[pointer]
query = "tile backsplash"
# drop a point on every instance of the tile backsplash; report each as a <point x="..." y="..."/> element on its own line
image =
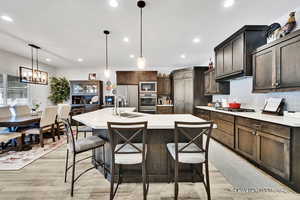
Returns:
<point x="241" y="91"/>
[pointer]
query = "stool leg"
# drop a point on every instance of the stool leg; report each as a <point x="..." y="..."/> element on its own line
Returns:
<point x="176" y="180"/>
<point x="144" y="180"/>
<point x="84" y="134"/>
<point x="42" y="139"/>
<point x="77" y="131"/>
<point x="207" y="181"/>
<point x="73" y="174"/>
<point x="67" y="161"/>
<point x="104" y="168"/>
<point x="112" y="181"/>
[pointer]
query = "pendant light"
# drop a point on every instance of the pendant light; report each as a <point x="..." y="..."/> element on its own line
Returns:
<point x="106" y="71"/>
<point x="31" y="75"/>
<point x="141" y="62"/>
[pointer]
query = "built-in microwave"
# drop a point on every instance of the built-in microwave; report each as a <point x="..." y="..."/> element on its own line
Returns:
<point x="148" y="87"/>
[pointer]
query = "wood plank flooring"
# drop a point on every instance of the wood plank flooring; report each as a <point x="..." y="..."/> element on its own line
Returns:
<point x="44" y="179"/>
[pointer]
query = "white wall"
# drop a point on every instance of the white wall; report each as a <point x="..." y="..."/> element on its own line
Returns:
<point x="9" y="63"/>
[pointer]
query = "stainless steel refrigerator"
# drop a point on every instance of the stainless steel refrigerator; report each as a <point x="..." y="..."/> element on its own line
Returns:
<point x="130" y="93"/>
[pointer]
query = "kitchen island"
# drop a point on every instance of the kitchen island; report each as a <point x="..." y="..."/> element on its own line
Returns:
<point x="160" y="132"/>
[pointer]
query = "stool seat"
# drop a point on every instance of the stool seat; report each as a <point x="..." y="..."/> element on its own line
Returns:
<point x="86" y="144"/>
<point x="134" y="157"/>
<point x="195" y="157"/>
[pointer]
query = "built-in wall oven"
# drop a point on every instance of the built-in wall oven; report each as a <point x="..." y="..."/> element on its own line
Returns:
<point x="148" y="87"/>
<point x="147" y="102"/>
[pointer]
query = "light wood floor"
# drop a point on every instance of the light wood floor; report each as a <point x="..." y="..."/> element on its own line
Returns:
<point x="43" y="179"/>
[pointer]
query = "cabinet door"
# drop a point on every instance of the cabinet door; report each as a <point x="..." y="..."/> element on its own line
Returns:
<point x="207" y="82"/>
<point x="160" y="86"/>
<point x="264" y="70"/>
<point x="188" y="95"/>
<point x="220" y="62"/>
<point x="273" y="154"/>
<point x="213" y="83"/>
<point x="245" y="141"/>
<point x="288" y="63"/>
<point x="228" y="59"/>
<point x="238" y="53"/>
<point x="167" y="86"/>
<point x="179" y="96"/>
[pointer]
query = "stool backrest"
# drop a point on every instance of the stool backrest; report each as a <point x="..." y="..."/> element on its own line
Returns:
<point x="21" y="110"/>
<point x="63" y="111"/>
<point x="127" y="134"/>
<point x="5" y="112"/>
<point x="192" y="132"/>
<point x="70" y="134"/>
<point x="48" y="117"/>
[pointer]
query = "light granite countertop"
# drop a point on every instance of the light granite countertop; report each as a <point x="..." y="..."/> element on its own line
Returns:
<point x="98" y="119"/>
<point x="283" y="120"/>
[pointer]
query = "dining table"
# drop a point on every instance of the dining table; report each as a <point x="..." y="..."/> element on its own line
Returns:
<point x="20" y="121"/>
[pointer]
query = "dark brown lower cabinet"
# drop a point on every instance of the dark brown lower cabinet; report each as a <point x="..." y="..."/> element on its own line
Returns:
<point x="164" y="109"/>
<point x="269" y="151"/>
<point x="224" y="132"/>
<point x="246" y="141"/>
<point x="273" y="153"/>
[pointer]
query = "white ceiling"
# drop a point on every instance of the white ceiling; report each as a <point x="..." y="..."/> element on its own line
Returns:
<point x="72" y="29"/>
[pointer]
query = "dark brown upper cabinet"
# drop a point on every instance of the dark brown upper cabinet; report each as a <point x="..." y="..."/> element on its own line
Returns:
<point x="276" y="66"/>
<point x="213" y="87"/>
<point x="233" y="56"/>
<point x="164" y="85"/>
<point x="134" y="77"/>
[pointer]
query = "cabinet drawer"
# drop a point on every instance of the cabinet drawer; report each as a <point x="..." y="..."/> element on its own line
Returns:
<point x="275" y="129"/>
<point x="223" y="137"/>
<point x="222" y="116"/>
<point x="203" y="114"/>
<point x="225" y="126"/>
<point x="164" y="109"/>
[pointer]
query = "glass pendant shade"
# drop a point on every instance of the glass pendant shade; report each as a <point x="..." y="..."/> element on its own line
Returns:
<point x="107" y="73"/>
<point x="141" y="62"/>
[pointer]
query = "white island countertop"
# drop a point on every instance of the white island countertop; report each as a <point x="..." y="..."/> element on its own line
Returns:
<point x="98" y="119"/>
<point x="283" y="120"/>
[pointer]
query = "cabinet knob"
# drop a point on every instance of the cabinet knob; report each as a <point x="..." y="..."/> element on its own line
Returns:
<point x="254" y="133"/>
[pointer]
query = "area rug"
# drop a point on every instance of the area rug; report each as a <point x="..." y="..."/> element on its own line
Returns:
<point x="13" y="160"/>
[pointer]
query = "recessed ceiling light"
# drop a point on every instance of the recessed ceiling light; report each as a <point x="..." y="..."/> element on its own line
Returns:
<point x="183" y="56"/>
<point x="196" y="40"/>
<point x="228" y="3"/>
<point x="80" y="60"/>
<point x="48" y="59"/>
<point x="131" y="56"/>
<point x="7" y="18"/>
<point x="113" y="3"/>
<point x="125" y="39"/>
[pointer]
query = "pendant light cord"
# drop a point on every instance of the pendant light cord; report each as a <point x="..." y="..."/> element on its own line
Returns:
<point x="37" y="59"/>
<point x="106" y="52"/>
<point x="32" y="59"/>
<point x="141" y="36"/>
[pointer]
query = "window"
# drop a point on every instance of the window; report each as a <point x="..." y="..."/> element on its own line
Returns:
<point x="12" y="91"/>
<point x="1" y="89"/>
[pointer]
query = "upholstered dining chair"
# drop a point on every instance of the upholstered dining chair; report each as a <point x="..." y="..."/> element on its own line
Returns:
<point x="46" y="124"/>
<point x="5" y="112"/>
<point x="63" y="113"/>
<point x="6" y="135"/>
<point x="21" y="110"/>
<point x="191" y="152"/>
<point x="125" y="151"/>
<point x="77" y="147"/>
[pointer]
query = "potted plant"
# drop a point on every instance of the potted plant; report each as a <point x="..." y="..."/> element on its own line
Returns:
<point x="59" y="90"/>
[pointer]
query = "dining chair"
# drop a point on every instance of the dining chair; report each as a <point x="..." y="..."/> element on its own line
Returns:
<point x="46" y="124"/>
<point x="79" y="146"/>
<point x="6" y="135"/>
<point x="128" y="142"/>
<point x="191" y="152"/>
<point x="63" y="113"/>
<point x="5" y="112"/>
<point x="21" y="110"/>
